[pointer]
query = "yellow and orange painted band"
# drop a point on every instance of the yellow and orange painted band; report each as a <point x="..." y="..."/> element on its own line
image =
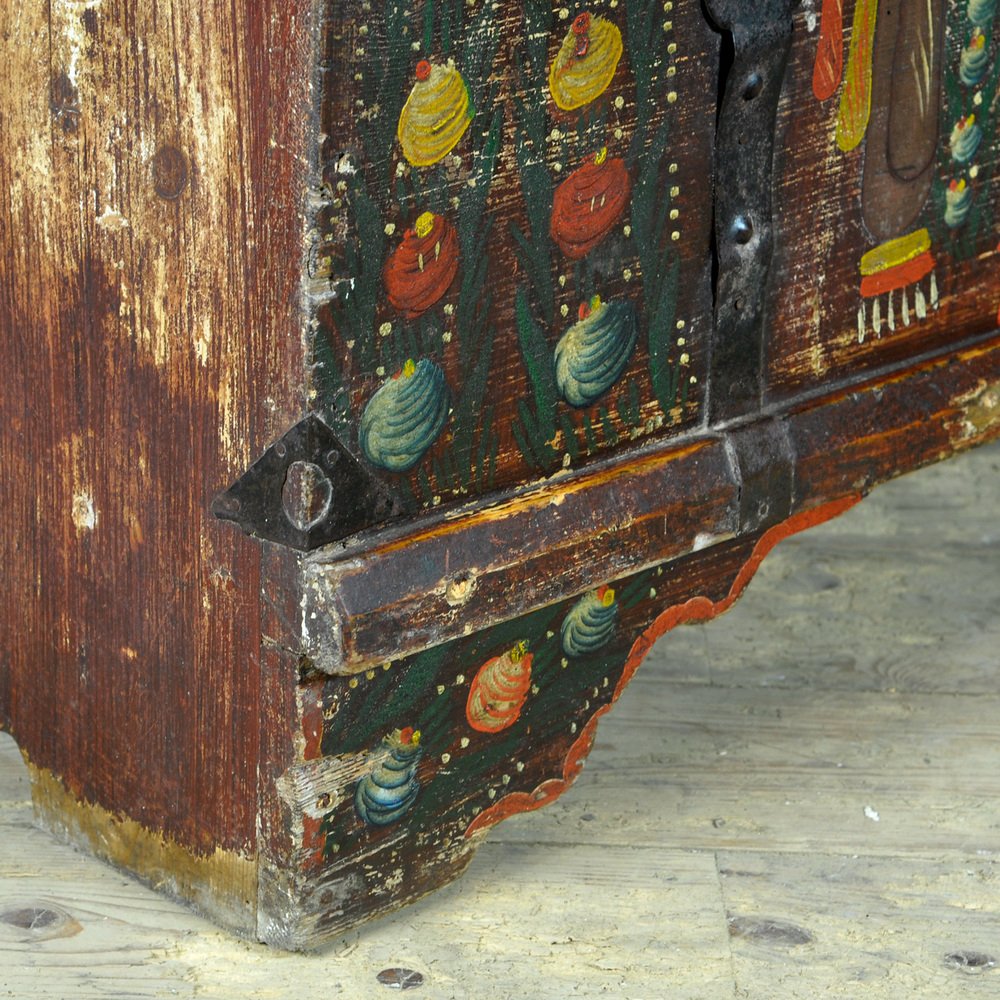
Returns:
<point x="895" y="252"/>
<point x="900" y="276"/>
<point x="697" y="609"/>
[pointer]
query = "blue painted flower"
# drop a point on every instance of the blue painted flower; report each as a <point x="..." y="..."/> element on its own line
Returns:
<point x="973" y="61"/>
<point x="390" y="788"/>
<point x="965" y="139"/>
<point x="981" y="12"/>
<point x="594" y="351"/>
<point x="957" y="202"/>
<point x="590" y="623"/>
<point x="405" y="416"/>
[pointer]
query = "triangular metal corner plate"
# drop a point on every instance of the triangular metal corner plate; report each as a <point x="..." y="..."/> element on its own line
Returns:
<point x="355" y="499"/>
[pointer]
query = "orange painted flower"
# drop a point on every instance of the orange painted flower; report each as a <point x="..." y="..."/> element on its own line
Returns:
<point x="499" y="690"/>
<point x="421" y="269"/>
<point x="586" y="206"/>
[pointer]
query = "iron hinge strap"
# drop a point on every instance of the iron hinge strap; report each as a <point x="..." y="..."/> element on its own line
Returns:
<point x="761" y="33"/>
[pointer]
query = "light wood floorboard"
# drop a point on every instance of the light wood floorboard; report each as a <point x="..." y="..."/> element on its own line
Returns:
<point x="799" y="800"/>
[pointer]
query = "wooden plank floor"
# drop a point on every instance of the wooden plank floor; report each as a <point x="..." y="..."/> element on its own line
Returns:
<point x="801" y="799"/>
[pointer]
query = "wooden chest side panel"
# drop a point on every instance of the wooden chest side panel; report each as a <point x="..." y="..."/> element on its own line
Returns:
<point x="150" y="251"/>
<point x="403" y="765"/>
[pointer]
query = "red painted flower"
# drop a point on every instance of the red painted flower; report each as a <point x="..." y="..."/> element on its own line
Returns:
<point x="421" y="269"/>
<point x="588" y="203"/>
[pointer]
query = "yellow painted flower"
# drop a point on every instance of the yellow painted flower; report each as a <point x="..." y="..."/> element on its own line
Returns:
<point x="436" y="114"/>
<point x="586" y="62"/>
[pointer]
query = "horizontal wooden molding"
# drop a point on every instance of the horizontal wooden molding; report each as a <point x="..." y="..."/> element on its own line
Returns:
<point x="471" y="568"/>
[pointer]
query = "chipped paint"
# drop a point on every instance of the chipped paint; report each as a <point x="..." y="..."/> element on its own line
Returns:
<point x="979" y="413"/>
<point x="112" y="220"/>
<point x="203" y="341"/>
<point x="67" y="17"/>
<point x="83" y="512"/>
<point x="314" y="787"/>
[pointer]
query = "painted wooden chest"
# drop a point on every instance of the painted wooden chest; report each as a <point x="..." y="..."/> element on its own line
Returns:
<point x="511" y="334"/>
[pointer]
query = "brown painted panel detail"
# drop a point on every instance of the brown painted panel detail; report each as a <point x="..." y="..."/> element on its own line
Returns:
<point x="885" y="209"/>
<point x="418" y="588"/>
<point x="405" y="764"/>
<point x="150" y="254"/>
<point x="290" y="729"/>
<point x="902" y="137"/>
<point x="884" y="428"/>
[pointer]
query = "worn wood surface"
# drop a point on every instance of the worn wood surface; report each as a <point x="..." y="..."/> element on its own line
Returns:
<point x="175" y="172"/>
<point x="151" y="163"/>
<point x="114" y="439"/>
<point x="723" y="841"/>
<point x="836" y="199"/>
<point x="449" y="776"/>
<point x="393" y="592"/>
<point x="506" y="286"/>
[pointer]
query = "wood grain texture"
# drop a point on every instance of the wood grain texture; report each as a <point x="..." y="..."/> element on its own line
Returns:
<point x="394" y="592"/>
<point x="406" y="590"/>
<point x="179" y="281"/>
<point x="845" y="442"/>
<point x="874" y="924"/>
<point x="151" y="233"/>
<point x="634" y="883"/>
<point x="493" y="330"/>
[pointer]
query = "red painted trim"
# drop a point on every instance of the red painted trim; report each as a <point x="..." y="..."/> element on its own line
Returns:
<point x="311" y="704"/>
<point x="694" y="610"/>
<point x="907" y="273"/>
<point x="829" y="66"/>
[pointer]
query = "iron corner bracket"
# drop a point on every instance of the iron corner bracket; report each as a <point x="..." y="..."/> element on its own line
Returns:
<point x="306" y="490"/>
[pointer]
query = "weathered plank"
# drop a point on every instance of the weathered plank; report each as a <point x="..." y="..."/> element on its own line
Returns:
<point x="813" y="925"/>
<point x="158" y="159"/>
<point x="626" y="886"/>
<point x="492" y="933"/>
<point x="151" y="165"/>
<point x="793" y="770"/>
<point x="391" y="593"/>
